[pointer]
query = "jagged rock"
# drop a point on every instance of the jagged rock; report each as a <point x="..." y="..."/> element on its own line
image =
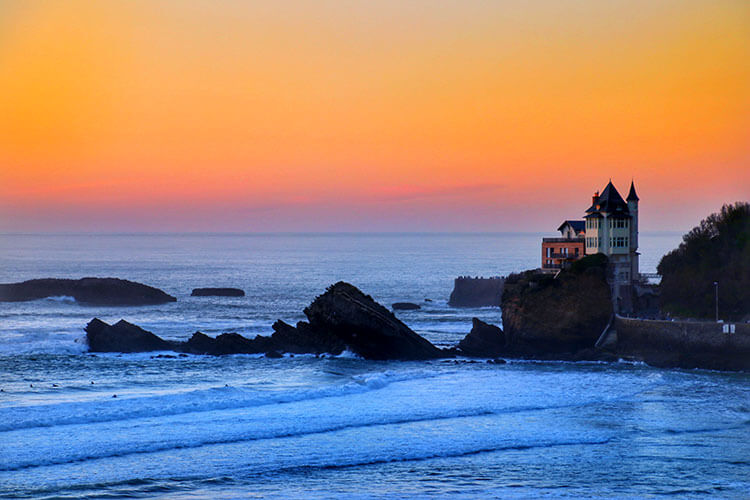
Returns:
<point x="123" y="337"/>
<point x="405" y="306"/>
<point x="483" y="341"/>
<point x="553" y="318"/>
<point x="343" y="317"/>
<point x="366" y="327"/>
<point x="303" y="339"/>
<point x="88" y="291"/>
<point x="217" y="292"/>
<point x="476" y="292"/>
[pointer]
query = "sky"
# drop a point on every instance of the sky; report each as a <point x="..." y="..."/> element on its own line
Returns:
<point x="184" y="115"/>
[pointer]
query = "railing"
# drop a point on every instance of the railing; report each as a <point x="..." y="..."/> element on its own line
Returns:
<point x="565" y="256"/>
<point x="552" y="266"/>
<point x="562" y="240"/>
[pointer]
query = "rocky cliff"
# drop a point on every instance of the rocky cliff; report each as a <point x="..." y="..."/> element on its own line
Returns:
<point x="557" y="317"/>
<point x="476" y="292"/>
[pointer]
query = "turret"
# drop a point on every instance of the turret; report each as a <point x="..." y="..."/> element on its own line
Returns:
<point x="633" y="209"/>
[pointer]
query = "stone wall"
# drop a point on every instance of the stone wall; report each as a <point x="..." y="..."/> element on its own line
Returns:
<point x="686" y="344"/>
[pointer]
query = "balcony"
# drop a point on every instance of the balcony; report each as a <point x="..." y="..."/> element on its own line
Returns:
<point x="562" y="240"/>
<point x="564" y="256"/>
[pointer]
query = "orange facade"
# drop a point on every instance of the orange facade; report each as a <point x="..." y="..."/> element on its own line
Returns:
<point x="557" y="253"/>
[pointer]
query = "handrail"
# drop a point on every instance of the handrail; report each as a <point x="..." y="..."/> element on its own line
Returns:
<point x="604" y="334"/>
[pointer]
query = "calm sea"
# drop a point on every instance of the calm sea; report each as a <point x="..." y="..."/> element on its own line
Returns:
<point x="335" y="427"/>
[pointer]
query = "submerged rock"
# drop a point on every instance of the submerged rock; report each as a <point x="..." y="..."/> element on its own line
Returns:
<point x="405" y="306"/>
<point x="217" y="292"/>
<point x="483" y="341"/>
<point x="88" y="291"/>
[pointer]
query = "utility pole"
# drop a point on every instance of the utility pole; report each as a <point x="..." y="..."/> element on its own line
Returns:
<point x="716" y="293"/>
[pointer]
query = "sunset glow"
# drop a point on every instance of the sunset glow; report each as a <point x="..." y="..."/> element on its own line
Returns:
<point x="362" y="116"/>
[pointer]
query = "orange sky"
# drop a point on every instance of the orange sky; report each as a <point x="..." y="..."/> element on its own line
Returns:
<point x="390" y="115"/>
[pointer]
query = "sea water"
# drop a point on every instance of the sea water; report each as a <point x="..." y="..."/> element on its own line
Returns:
<point x="335" y="427"/>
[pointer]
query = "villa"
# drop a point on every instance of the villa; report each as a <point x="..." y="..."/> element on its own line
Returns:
<point x="609" y="226"/>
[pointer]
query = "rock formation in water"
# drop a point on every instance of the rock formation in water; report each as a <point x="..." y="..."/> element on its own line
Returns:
<point x="124" y="337"/>
<point x="342" y="318"/>
<point x="367" y="328"/>
<point x="217" y="292"/>
<point x="476" y="292"/>
<point x="559" y="316"/>
<point x="88" y="291"/>
<point x="483" y="341"/>
<point x="405" y="306"/>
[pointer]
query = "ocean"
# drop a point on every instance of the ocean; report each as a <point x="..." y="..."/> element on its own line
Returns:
<point x="335" y="427"/>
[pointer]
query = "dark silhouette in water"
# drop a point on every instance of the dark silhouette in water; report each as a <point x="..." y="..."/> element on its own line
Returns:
<point x="87" y="291"/>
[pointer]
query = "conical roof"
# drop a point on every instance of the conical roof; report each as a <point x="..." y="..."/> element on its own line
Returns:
<point x="610" y="201"/>
<point x="631" y="195"/>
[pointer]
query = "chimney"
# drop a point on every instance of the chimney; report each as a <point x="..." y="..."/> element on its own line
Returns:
<point x="595" y="198"/>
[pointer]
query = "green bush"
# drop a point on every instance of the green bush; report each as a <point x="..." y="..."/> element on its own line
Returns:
<point x="717" y="250"/>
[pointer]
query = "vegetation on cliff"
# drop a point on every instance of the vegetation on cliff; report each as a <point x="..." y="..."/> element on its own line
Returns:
<point x="717" y="250"/>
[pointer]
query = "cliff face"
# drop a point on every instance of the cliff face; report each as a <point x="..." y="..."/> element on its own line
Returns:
<point x="546" y="316"/>
<point x="476" y="292"/>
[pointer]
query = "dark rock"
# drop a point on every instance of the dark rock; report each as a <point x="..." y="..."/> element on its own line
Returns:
<point x="366" y="327"/>
<point x="548" y="317"/>
<point x="343" y="317"/>
<point x="274" y="354"/>
<point x="496" y="361"/>
<point x="405" y="306"/>
<point x="217" y="292"/>
<point x="226" y="343"/>
<point x="303" y="339"/>
<point x="483" y="341"/>
<point x="476" y="292"/>
<point x="88" y="291"/>
<point x="123" y="337"/>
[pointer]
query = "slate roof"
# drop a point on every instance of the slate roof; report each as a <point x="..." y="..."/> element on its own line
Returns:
<point x="631" y="195"/>
<point x="611" y="202"/>
<point x="577" y="225"/>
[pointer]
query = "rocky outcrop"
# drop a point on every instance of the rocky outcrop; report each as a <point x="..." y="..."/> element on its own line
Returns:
<point x="405" y="306"/>
<point x="364" y="326"/>
<point x="217" y="292"/>
<point x="342" y="318"/>
<point x="476" y="292"/>
<point x="87" y="291"/>
<point x="483" y="341"/>
<point x="124" y="337"/>
<point x="558" y="317"/>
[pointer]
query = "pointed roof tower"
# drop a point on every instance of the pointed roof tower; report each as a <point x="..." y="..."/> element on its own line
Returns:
<point x="609" y="201"/>
<point x="631" y="195"/>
